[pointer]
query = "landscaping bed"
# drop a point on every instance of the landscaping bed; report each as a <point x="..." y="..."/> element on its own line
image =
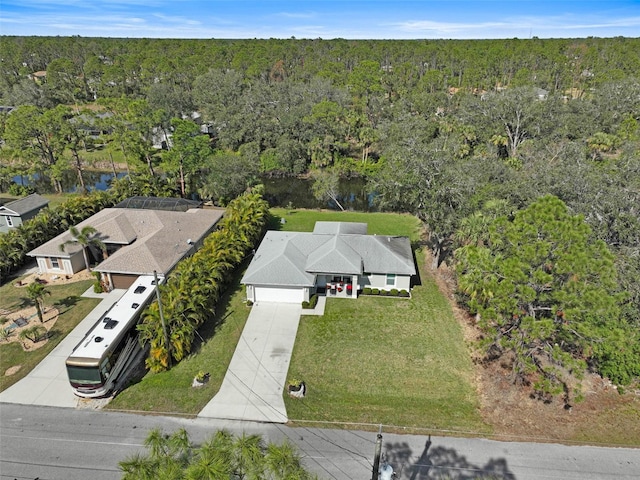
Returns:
<point x="64" y="309"/>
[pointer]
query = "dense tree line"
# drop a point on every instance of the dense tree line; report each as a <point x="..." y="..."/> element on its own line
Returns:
<point x="190" y="295"/>
<point x="467" y="135"/>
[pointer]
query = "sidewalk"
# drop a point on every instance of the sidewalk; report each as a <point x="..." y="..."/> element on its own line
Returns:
<point x="253" y="385"/>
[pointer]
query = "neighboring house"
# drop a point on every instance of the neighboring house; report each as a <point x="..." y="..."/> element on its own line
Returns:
<point x="337" y="258"/>
<point x="13" y="214"/>
<point x="139" y="242"/>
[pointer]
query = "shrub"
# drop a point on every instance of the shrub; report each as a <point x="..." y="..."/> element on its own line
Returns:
<point x="403" y="293"/>
<point x="249" y="303"/>
<point x="4" y="333"/>
<point x="97" y="287"/>
<point x="384" y="293"/>
<point x="393" y="292"/>
<point x="375" y="291"/>
<point x="305" y="304"/>
<point x="18" y="190"/>
<point x="35" y="333"/>
<point x="366" y="291"/>
<point x="313" y="301"/>
<point x="3" y="320"/>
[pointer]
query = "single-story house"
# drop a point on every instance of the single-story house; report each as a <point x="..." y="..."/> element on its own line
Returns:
<point x="337" y="258"/>
<point x="139" y="241"/>
<point x="14" y="214"/>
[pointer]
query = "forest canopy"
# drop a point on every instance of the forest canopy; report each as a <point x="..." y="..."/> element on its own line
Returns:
<point x="468" y="135"/>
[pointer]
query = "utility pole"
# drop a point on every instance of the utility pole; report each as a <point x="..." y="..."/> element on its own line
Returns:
<point x="376" y="457"/>
<point x="164" y="325"/>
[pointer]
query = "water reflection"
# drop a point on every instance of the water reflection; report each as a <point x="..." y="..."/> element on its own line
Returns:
<point x="353" y="194"/>
<point x="279" y="192"/>
<point x="92" y="179"/>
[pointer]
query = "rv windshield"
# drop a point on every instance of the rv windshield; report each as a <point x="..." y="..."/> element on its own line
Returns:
<point x="84" y="375"/>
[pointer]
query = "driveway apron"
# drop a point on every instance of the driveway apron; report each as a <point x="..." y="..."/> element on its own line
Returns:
<point x="253" y="385"/>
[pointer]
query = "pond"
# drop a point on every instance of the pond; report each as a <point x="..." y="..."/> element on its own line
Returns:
<point x="353" y="194"/>
<point x="94" y="180"/>
<point x="279" y="192"/>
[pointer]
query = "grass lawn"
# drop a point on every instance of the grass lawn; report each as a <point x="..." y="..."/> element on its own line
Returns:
<point x="383" y="360"/>
<point x="378" y="223"/>
<point x="400" y="362"/>
<point x="73" y="308"/>
<point x="171" y="391"/>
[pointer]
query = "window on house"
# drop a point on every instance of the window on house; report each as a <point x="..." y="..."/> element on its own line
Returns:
<point x="55" y="263"/>
<point x="391" y="279"/>
<point x="9" y="221"/>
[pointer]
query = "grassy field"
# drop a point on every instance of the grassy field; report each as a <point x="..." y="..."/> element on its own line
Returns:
<point x="378" y="223"/>
<point x="73" y="309"/>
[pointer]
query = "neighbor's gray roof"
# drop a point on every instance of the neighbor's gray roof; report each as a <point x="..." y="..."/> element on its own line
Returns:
<point x="152" y="239"/>
<point x="159" y="203"/>
<point x="293" y="258"/>
<point x="24" y="205"/>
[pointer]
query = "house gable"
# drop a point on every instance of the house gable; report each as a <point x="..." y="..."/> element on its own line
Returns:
<point x="335" y="255"/>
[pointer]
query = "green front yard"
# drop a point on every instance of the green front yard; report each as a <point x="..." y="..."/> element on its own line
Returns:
<point x="386" y="360"/>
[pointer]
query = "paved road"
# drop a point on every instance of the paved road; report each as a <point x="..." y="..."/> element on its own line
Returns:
<point x="65" y="444"/>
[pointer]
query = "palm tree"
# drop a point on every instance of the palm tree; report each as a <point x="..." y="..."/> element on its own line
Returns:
<point x="222" y="456"/>
<point x="36" y="293"/>
<point x="85" y="238"/>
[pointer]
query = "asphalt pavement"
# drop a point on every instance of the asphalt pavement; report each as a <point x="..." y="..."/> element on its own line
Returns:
<point x="69" y="444"/>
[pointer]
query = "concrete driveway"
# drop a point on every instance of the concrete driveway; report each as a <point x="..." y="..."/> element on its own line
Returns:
<point x="253" y="385"/>
<point x="47" y="384"/>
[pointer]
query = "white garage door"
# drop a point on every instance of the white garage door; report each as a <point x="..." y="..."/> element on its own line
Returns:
<point x="275" y="294"/>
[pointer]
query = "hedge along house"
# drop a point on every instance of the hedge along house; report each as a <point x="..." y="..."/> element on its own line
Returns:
<point x="139" y="241"/>
<point x="337" y="259"/>
<point x="14" y="214"/>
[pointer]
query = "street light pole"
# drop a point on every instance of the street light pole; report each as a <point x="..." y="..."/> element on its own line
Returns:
<point x="164" y="325"/>
<point x="376" y="457"/>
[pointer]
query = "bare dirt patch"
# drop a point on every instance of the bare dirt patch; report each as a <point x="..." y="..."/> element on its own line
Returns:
<point x="54" y="279"/>
<point x="12" y="370"/>
<point x="27" y="318"/>
<point x="516" y="414"/>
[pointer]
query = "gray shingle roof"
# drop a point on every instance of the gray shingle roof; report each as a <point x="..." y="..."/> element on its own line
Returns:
<point x="293" y="258"/>
<point x="335" y="255"/>
<point x="24" y="205"/>
<point x="159" y="203"/>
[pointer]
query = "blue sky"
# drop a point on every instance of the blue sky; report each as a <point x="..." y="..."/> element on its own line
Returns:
<point x="376" y="19"/>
